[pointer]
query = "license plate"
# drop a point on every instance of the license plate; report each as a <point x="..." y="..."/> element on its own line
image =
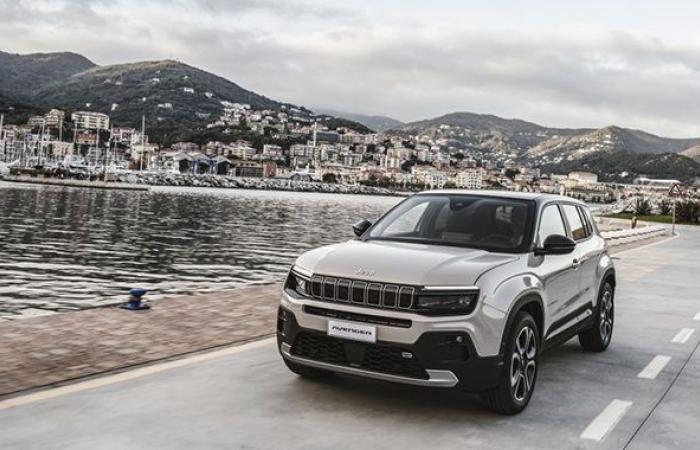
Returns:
<point x="354" y="331"/>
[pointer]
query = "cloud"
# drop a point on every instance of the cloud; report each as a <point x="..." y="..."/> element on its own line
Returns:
<point x="402" y="62"/>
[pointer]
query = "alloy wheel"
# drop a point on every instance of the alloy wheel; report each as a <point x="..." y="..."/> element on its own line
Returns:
<point x="606" y="316"/>
<point x="523" y="365"/>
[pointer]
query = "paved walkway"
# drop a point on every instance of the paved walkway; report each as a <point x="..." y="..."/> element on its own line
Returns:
<point x="45" y="350"/>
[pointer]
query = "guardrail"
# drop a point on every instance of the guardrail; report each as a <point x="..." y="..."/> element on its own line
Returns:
<point x="621" y="237"/>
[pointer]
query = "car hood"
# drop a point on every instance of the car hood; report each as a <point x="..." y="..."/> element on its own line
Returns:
<point x="402" y="263"/>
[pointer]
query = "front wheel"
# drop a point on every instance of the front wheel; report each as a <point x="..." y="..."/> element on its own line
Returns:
<point x="517" y="381"/>
<point x="598" y="337"/>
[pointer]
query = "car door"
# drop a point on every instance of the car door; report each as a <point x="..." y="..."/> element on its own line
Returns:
<point x="558" y="273"/>
<point x="589" y="252"/>
<point x="583" y="255"/>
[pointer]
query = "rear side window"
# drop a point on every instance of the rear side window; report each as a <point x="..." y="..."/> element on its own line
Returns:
<point x="551" y="223"/>
<point x="587" y="218"/>
<point x="578" y="228"/>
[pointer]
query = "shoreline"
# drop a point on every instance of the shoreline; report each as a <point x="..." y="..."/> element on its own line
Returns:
<point x="145" y="181"/>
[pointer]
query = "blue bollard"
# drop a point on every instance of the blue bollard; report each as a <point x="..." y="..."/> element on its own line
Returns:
<point x="134" y="303"/>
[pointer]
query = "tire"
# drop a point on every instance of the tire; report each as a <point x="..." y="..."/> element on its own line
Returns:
<point x="306" y="371"/>
<point x="517" y="382"/>
<point x="598" y="337"/>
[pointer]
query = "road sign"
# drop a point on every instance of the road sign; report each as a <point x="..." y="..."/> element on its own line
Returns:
<point x="675" y="190"/>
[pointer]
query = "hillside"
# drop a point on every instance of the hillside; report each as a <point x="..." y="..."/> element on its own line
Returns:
<point x="692" y="152"/>
<point x="612" y="166"/>
<point x="609" y="139"/>
<point x="607" y="151"/>
<point x="178" y="100"/>
<point x="374" y="122"/>
<point x="14" y="109"/>
<point x="484" y="132"/>
<point x="22" y="75"/>
<point x="156" y="89"/>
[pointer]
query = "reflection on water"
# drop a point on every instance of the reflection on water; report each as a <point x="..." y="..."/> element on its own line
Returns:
<point x="64" y="248"/>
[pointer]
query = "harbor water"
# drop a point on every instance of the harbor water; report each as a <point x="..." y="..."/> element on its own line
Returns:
<point x="71" y="248"/>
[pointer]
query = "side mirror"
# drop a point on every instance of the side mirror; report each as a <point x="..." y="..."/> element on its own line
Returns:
<point x="556" y="244"/>
<point x="360" y="227"/>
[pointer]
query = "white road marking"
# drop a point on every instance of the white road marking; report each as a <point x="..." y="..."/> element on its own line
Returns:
<point x="606" y="420"/>
<point x="697" y="316"/>
<point x="683" y="336"/>
<point x="654" y="368"/>
<point x="130" y="375"/>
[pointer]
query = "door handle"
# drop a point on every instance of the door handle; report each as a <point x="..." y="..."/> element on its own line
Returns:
<point x="575" y="263"/>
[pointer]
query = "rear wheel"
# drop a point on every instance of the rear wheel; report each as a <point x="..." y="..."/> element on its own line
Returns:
<point x="598" y="337"/>
<point x="306" y="371"/>
<point x="517" y="381"/>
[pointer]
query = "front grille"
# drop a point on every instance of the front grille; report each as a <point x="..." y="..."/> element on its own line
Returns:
<point x="377" y="295"/>
<point x="372" y="357"/>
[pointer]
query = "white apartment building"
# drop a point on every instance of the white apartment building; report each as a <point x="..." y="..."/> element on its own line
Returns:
<point x="54" y="117"/>
<point x="90" y="120"/>
<point x="469" y="179"/>
<point x="272" y="151"/>
<point x="122" y="135"/>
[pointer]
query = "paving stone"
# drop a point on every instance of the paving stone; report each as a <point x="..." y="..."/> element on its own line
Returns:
<point x="54" y="348"/>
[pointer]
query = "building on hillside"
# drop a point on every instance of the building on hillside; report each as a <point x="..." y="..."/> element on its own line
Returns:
<point x="583" y="177"/>
<point x="271" y="151"/>
<point x="469" y="179"/>
<point x="35" y="121"/>
<point x="122" y="135"/>
<point x="90" y="120"/>
<point x="83" y="137"/>
<point x="185" y="147"/>
<point x="54" y="117"/>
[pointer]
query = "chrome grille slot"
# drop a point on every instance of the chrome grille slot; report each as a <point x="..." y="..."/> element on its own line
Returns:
<point x="391" y="293"/>
<point x="374" y="294"/>
<point x="343" y="291"/>
<point x="317" y="286"/>
<point x="406" y="297"/>
<point x="359" y="292"/>
<point x="329" y="288"/>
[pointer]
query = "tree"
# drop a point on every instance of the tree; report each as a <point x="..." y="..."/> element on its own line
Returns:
<point x="642" y="207"/>
<point x="688" y="211"/>
<point x="511" y="173"/>
<point x="665" y="207"/>
<point x="330" y="178"/>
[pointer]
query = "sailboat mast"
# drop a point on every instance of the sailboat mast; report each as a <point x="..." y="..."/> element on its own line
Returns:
<point x="143" y="139"/>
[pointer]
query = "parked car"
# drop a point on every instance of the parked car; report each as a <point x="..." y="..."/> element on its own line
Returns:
<point x="452" y="289"/>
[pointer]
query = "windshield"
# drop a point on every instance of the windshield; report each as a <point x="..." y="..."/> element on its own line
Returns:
<point x="489" y="223"/>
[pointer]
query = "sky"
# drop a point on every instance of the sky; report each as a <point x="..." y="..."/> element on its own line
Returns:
<point x="557" y="63"/>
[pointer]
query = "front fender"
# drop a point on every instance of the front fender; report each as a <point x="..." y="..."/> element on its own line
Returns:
<point x="503" y="298"/>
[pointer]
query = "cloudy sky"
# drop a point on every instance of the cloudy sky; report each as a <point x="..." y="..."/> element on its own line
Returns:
<point x="631" y="63"/>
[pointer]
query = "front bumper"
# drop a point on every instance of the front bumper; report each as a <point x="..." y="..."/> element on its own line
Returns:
<point x="436" y="358"/>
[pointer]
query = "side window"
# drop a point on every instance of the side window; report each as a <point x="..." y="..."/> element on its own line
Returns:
<point x="408" y="222"/>
<point x="551" y="223"/>
<point x="587" y="218"/>
<point x="578" y="228"/>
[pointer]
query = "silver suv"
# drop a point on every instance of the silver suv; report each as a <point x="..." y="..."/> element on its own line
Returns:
<point x="452" y="288"/>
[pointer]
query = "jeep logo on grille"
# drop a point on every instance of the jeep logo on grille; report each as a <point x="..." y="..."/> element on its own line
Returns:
<point x="365" y="272"/>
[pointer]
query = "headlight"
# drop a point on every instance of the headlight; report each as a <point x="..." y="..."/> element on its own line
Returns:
<point x="298" y="282"/>
<point x="302" y="285"/>
<point x="452" y="303"/>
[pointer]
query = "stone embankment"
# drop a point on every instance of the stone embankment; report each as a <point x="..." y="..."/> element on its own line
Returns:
<point x="219" y="181"/>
